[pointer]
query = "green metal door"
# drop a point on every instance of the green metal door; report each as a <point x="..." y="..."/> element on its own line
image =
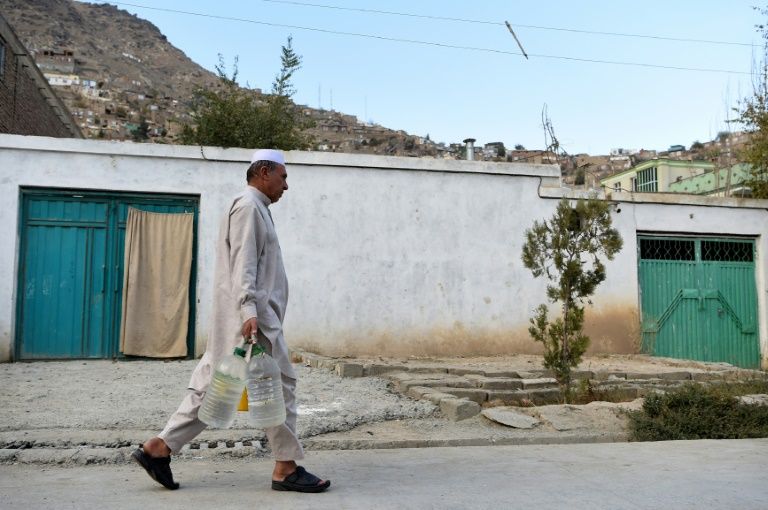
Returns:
<point x="63" y="278"/>
<point x="71" y="271"/>
<point x="698" y="299"/>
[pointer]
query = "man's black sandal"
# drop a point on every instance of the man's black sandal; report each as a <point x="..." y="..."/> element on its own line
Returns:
<point x="159" y="468"/>
<point x="301" y="481"/>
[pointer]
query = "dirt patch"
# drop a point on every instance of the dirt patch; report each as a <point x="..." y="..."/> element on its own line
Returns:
<point x="454" y="341"/>
<point x="613" y="329"/>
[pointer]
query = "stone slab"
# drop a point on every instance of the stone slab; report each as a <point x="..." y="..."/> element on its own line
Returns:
<point x="675" y="376"/>
<point x="473" y="394"/>
<point x="542" y="382"/>
<point x="419" y="392"/>
<point x="375" y="369"/>
<point x="428" y="370"/>
<point x="344" y="369"/>
<point x="465" y="371"/>
<point x="545" y="396"/>
<point x="457" y="409"/>
<point x="503" y="373"/>
<point x="511" y="418"/>
<point x="609" y="375"/>
<point x="493" y="383"/>
<point x="437" y="397"/>
<point x="509" y="397"/>
<point x="759" y="399"/>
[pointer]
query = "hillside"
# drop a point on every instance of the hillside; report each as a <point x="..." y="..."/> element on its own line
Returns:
<point x="122" y="79"/>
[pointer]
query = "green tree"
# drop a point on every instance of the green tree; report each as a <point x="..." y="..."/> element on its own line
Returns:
<point x="231" y="116"/>
<point x="580" y="177"/>
<point x="567" y="250"/>
<point x="141" y="133"/>
<point x="519" y="147"/>
<point x="753" y="116"/>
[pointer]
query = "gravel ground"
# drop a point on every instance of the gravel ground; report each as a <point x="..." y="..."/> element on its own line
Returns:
<point x="141" y="395"/>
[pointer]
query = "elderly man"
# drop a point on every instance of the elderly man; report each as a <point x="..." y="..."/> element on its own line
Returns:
<point x="250" y="296"/>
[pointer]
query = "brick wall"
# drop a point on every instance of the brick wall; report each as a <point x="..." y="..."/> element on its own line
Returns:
<point x="24" y="110"/>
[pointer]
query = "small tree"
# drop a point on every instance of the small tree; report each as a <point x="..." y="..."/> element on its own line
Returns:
<point x="567" y="250"/>
<point x="519" y="147"/>
<point x="141" y="133"/>
<point x="753" y="116"/>
<point x="231" y="116"/>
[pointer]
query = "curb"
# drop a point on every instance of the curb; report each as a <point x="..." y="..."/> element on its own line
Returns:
<point x="86" y="456"/>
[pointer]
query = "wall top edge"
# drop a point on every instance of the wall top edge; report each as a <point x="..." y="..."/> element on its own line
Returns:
<point x="238" y="155"/>
<point x="659" y="198"/>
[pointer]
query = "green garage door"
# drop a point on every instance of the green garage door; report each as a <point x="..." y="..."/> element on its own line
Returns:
<point x="71" y="270"/>
<point x="698" y="299"/>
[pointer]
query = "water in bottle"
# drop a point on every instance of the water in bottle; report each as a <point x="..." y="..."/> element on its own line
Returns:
<point x="266" y="407"/>
<point x="220" y="401"/>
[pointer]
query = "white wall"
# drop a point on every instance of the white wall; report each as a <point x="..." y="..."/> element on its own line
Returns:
<point x="384" y="255"/>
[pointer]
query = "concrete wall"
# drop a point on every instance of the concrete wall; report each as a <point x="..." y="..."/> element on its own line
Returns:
<point x="384" y="255"/>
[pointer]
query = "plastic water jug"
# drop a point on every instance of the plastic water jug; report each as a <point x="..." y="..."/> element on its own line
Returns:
<point x="266" y="407"/>
<point x="220" y="401"/>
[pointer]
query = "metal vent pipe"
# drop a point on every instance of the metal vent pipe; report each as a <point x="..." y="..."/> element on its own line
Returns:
<point x="470" y="149"/>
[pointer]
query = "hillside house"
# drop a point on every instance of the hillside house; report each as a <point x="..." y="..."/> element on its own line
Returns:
<point x="655" y="175"/>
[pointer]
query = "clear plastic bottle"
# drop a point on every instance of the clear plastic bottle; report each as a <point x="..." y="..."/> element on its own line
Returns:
<point x="266" y="407"/>
<point x="220" y="401"/>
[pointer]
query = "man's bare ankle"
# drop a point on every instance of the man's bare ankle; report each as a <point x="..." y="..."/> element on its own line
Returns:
<point x="156" y="447"/>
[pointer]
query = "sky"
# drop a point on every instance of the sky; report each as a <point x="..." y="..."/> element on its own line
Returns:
<point x="451" y="92"/>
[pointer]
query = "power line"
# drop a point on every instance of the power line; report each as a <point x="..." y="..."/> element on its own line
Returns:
<point x="488" y="22"/>
<point x="432" y="43"/>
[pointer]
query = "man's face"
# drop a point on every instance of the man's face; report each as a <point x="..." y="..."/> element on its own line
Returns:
<point x="275" y="183"/>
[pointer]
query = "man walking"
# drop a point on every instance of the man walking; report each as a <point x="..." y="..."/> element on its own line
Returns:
<point x="250" y="297"/>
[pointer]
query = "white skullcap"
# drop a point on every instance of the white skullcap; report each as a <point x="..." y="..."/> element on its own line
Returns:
<point x="268" y="155"/>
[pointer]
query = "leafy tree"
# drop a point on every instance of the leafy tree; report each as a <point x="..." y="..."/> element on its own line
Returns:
<point x="141" y="133"/>
<point x="567" y="249"/>
<point x="580" y="177"/>
<point x="753" y="116"/>
<point x="519" y="147"/>
<point x="231" y="116"/>
<point x="697" y="145"/>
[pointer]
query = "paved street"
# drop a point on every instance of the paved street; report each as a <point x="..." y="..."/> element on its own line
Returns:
<point x="686" y="474"/>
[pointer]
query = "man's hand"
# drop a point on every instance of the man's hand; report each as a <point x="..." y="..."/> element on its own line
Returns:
<point x="250" y="327"/>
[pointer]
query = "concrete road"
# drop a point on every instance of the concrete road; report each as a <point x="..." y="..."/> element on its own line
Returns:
<point x="685" y="474"/>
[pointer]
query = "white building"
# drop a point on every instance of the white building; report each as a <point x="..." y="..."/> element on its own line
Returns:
<point x="385" y="255"/>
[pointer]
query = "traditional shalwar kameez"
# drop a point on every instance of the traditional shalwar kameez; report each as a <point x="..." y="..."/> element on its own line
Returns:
<point x="249" y="281"/>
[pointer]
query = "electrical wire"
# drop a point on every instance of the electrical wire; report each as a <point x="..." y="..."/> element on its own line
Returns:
<point x="433" y="43"/>
<point x="488" y="22"/>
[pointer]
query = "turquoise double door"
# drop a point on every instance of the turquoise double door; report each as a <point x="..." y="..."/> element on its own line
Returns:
<point x="69" y="293"/>
<point x="699" y="299"/>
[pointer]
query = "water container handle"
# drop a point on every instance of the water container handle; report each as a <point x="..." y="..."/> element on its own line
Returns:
<point x="256" y="349"/>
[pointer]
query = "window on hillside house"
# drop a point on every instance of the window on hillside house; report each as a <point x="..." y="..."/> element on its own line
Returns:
<point x="617" y="187"/>
<point x="633" y="182"/>
<point x="647" y="180"/>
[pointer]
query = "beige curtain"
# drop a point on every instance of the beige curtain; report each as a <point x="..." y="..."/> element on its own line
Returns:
<point x="158" y="261"/>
